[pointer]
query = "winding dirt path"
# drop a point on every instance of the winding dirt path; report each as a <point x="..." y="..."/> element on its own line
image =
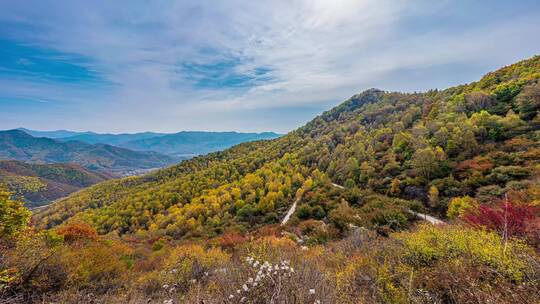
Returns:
<point x="428" y="218"/>
<point x="291" y="211"/>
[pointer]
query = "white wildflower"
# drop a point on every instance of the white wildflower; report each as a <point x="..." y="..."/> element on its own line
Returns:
<point x="242" y="299"/>
<point x="312" y="291"/>
<point x="231" y="297"/>
<point x="165" y="286"/>
<point x="238" y="291"/>
<point x="245" y="288"/>
<point x="304" y="248"/>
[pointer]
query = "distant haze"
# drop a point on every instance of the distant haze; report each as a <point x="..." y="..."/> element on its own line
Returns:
<point x="183" y="144"/>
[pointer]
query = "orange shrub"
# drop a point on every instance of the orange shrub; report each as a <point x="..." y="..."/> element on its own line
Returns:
<point x="77" y="231"/>
<point x="229" y="240"/>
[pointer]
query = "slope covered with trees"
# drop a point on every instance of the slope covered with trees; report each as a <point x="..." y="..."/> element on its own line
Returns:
<point x="391" y="151"/>
<point x="39" y="184"/>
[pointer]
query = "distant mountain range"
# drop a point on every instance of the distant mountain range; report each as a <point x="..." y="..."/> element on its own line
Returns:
<point x="19" y="145"/>
<point x="43" y="166"/>
<point x="194" y="142"/>
<point x="52" y="134"/>
<point x="110" y="139"/>
<point x="92" y="137"/>
<point x="185" y="143"/>
<point x="42" y="183"/>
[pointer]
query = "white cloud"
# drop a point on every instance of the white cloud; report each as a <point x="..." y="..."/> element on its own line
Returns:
<point x="318" y="52"/>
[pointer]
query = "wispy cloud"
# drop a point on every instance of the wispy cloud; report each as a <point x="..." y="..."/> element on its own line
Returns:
<point x="244" y="65"/>
<point x="42" y="64"/>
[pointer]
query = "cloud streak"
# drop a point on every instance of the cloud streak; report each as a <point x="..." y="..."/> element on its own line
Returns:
<point x="249" y="66"/>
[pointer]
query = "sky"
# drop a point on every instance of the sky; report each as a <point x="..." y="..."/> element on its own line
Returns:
<point x="252" y="66"/>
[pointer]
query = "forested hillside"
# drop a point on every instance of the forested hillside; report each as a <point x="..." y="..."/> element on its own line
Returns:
<point x="212" y="230"/>
<point x="392" y="151"/>
<point x="42" y="183"/>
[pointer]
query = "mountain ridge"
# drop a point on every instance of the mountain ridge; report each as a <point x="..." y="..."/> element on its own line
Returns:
<point x="400" y="150"/>
<point x="183" y="143"/>
<point x="200" y="142"/>
<point x="19" y="145"/>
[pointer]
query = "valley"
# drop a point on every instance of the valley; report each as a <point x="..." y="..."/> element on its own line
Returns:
<point x="99" y="155"/>
<point x="40" y="184"/>
<point x="18" y="145"/>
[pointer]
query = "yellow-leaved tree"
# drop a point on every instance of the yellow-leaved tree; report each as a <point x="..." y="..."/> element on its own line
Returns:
<point x="14" y="216"/>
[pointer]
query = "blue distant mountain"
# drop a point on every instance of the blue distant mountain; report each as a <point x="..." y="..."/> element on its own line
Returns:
<point x="195" y="142"/>
<point x="185" y="143"/>
<point x="110" y="139"/>
<point x="21" y="146"/>
<point x="53" y="134"/>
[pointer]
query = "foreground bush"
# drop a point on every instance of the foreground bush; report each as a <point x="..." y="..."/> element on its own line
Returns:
<point x="452" y="264"/>
<point x="431" y="244"/>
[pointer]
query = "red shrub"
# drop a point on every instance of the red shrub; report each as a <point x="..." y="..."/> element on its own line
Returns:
<point x="515" y="218"/>
<point x="479" y="163"/>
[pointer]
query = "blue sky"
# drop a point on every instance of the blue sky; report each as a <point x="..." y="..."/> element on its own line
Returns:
<point x="167" y="66"/>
